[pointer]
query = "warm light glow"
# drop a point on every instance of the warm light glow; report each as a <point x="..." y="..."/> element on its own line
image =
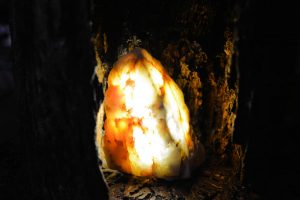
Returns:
<point x="147" y="130"/>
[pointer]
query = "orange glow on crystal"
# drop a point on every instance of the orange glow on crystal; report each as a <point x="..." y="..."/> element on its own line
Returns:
<point x="147" y="130"/>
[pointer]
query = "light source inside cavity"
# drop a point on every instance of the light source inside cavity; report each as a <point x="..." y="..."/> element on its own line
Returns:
<point x="146" y="130"/>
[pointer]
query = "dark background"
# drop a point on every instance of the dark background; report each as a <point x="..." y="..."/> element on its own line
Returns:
<point x="268" y="118"/>
<point x="270" y="76"/>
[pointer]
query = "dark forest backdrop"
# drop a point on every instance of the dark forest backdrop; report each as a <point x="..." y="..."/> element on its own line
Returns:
<point x="46" y="117"/>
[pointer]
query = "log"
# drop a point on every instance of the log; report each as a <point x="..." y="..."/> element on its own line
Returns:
<point x="196" y="43"/>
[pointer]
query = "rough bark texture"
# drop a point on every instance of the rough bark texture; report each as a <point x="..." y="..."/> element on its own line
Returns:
<point x="53" y="65"/>
<point x="209" y="182"/>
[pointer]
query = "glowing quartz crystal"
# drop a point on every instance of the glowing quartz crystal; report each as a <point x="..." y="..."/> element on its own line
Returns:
<point x="146" y="130"/>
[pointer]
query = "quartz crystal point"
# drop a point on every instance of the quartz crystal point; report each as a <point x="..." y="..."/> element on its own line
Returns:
<point x="143" y="125"/>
